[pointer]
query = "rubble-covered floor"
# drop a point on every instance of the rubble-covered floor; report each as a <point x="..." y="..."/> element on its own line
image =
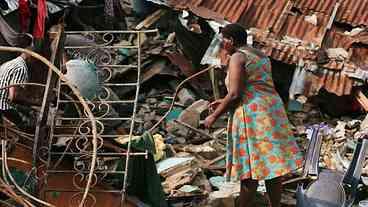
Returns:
<point x="189" y="159"/>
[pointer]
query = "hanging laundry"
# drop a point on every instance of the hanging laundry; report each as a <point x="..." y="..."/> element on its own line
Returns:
<point x="39" y="27"/>
<point x="24" y="15"/>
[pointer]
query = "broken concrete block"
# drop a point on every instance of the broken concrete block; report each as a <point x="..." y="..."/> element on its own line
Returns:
<point x="179" y="179"/>
<point x="189" y="189"/>
<point x="190" y="116"/>
<point x="172" y="165"/>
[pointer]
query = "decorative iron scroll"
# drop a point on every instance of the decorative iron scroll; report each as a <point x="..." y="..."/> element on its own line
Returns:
<point x="71" y="134"/>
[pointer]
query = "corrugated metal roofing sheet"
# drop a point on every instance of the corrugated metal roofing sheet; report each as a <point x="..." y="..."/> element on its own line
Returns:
<point x="324" y="6"/>
<point x="353" y="12"/>
<point x="278" y="19"/>
<point x="335" y="82"/>
<point x="298" y="27"/>
<point x="359" y="56"/>
<point x="263" y="14"/>
<point x="284" y="52"/>
<point x="337" y="39"/>
<point x="229" y="10"/>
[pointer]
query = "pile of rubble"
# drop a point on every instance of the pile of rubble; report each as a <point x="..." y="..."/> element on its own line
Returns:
<point x="190" y="159"/>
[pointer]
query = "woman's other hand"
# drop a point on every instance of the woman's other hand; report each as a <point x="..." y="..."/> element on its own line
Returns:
<point x="209" y="121"/>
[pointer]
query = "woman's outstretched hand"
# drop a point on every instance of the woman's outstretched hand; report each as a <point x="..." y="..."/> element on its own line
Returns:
<point x="211" y="118"/>
<point x="213" y="106"/>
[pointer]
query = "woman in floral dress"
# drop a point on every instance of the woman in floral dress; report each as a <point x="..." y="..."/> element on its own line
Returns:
<point x="261" y="145"/>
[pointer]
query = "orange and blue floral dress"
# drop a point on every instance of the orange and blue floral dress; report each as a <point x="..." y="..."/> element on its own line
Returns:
<point x="261" y="144"/>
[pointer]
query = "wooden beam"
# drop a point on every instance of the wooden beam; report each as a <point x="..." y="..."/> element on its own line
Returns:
<point x="362" y="99"/>
<point x="151" y="19"/>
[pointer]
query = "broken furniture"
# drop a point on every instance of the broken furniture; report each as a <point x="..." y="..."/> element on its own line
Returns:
<point x="70" y="137"/>
<point x="330" y="188"/>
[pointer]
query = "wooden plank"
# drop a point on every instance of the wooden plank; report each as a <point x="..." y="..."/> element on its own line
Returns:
<point x="150" y="20"/>
<point x="362" y="99"/>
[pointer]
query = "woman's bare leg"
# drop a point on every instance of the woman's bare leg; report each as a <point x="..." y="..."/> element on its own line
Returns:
<point x="248" y="192"/>
<point x="274" y="190"/>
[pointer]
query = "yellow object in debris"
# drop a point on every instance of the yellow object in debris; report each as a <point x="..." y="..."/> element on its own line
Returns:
<point x="157" y="140"/>
<point x="124" y="139"/>
<point x="160" y="147"/>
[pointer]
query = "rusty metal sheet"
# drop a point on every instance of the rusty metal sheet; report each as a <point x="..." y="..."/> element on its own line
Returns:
<point x="285" y="52"/>
<point x="338" y="83"/>
<point x="180" y="4"/>
<point x="251" y="13"/>
<point x="331" y="80"/>
<point x="337" y="39"/>
<point x="263" y="14"/>
<point x="335" y="65"/>
<point x="325" y="6"/>
<point x="230" y="10"/>
<point x="276" y="19"/>
<point x="359" y="56"/>
<point x="353" y="12"/>
<point x="298" y="27"/>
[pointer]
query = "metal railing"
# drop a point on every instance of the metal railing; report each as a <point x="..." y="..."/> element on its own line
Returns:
<point x="75" y="129"/>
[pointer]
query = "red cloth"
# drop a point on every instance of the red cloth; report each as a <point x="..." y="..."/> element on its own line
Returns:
<point x="39" y="27"/>
<point x="24" y="15"/>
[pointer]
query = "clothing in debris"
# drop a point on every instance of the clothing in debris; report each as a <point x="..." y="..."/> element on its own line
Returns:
<point x="144" y="181"/>
<point x="24" y="15"/>
<point x="9" y="37"/>
<point x="39" y="27"/>
<point x="261" y="144"/>
<point x="11" y="72"/>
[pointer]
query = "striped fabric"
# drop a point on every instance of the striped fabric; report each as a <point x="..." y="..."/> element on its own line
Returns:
<point x="11" y="72"/>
